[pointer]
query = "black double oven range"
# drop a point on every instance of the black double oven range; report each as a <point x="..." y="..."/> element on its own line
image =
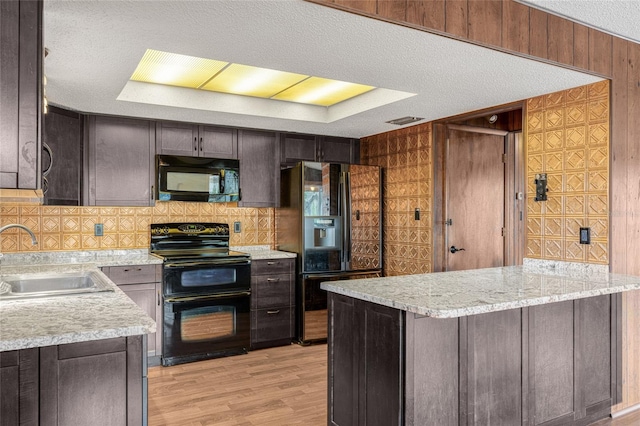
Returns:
<point x="206" y="292"/>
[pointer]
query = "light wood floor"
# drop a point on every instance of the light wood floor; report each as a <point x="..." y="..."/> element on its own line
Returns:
<point x="270" y="387"/>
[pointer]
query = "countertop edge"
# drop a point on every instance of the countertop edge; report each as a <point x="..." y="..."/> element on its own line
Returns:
<point x="475" y="307"/>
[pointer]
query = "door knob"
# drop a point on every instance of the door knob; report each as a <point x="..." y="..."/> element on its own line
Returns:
<point x="453" y="249"/>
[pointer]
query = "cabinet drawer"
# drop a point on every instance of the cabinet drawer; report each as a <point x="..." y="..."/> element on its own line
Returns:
<point x="269" y="291"/>
<point x="271" y="324"/>
<point x="134" y="274"/>
<point x="272" y="266"/>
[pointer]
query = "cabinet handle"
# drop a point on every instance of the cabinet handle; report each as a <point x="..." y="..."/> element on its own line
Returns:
<point x="158" y="297"/>
<point x="272" y="263"/>
<point x="137" y="269"/>
<point x="277" y="311"/>
<point x="200" y="144"/>
<point x="152" y="194"/>
<point x="271" y="280"/>
<point x="195" y="143"/>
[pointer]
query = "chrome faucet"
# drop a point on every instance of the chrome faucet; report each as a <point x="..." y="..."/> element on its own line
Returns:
<point x="17" y="225"/>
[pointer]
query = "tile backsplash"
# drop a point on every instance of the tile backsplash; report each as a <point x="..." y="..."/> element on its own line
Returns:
<point x="567" y="137"/>
<point x="72" y="228"/>
<point x="406" y="156"/>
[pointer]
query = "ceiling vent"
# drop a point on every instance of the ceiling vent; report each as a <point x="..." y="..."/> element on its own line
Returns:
<point x="404" y="120"/>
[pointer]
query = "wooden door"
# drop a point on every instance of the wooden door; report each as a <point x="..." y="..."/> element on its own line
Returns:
<point x="475" y="202"/>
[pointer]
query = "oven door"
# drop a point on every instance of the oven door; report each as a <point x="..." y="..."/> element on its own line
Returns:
<point x="204" y="327"/>
<point x="200" y="277"/>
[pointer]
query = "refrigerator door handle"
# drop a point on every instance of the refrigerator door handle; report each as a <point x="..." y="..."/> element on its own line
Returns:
<point x="347" y="220"/>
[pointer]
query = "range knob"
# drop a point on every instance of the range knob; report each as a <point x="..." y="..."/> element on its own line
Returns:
<point x="165" y="230"/>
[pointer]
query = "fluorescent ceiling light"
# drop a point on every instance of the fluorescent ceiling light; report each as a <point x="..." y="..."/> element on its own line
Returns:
<point x="236" y="79"/>
<point x="322" y="91"/>
<point x="252" y="81"/>
<point x="175" y="70"/>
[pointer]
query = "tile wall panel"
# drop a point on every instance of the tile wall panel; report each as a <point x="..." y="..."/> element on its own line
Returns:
<point x="72" y="228"/>
<point x="406" y="158"/>
<point x="567" y="137"/>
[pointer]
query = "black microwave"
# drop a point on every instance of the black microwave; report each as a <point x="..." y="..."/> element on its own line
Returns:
<point x="197" y="179"/>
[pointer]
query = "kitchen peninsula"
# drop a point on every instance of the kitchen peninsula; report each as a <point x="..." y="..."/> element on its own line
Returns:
<point x="536" y="344"/>
<point x="73" y="359"/>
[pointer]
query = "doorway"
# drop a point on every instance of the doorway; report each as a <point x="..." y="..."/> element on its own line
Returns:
<point x="479" y="199"/>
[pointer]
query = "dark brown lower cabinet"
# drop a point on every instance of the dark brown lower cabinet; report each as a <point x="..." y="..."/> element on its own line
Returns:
<point x="19" y="387"/>
<point x="365" y="363"/>
<point x="547" y="365"/>
<point x="89" y="383"/>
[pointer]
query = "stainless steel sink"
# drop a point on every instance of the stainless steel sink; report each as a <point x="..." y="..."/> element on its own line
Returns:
<point x="45" y="285"/>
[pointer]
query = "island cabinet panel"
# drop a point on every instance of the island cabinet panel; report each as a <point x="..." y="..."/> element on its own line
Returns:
<point x="92" y="383"/>
<point x="494" y="367"/>
<point x="19" y="386"/>
<point x="548" y="365"/>
<point x="437" y="340"/>
<point x="551" y="362"/>
<point x="365" y="363"/>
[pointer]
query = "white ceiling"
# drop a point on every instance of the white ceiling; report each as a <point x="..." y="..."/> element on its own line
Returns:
<point x="96" y="45"/>
<point x="617" y="17"/>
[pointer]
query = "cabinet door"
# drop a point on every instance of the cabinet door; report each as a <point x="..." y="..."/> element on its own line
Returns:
<point x="19" y="385"/>
<point x="294" y="148"/>
<point x="218" y="142"/>
<point x="148" y="297"/>
<point x="259" y="170"/>
<point x="176" y="138"/>
<point x="336" y="150"/>
<point x="63" y="135"/>
<point x="21" y="100"/>
<point x="121" y="161"/>
<point x="92" y="383"/>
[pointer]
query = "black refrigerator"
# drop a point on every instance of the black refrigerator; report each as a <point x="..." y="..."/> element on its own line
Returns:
<point x="330" y="216"/>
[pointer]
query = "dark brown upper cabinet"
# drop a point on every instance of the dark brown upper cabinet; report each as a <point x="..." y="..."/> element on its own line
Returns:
<point x="21" y="88"/>
<point x="329" y="149"/>
<point x="62" y="157"/>
<point x="121" y="162"/>
<point x="259" y="168"/>
<point x="193" y="140"/>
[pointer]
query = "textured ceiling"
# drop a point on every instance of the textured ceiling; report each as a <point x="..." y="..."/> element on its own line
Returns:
<point x="96" y="45"/>
<point x="617" y="17"/>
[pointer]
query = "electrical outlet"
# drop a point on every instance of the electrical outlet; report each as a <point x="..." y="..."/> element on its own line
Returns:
<point x="98" y="229"/>
<point x="236" y="227"/>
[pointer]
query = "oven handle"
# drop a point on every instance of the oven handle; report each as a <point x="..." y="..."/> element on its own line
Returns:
<point x="207" y="297"/>
<point x="207" y="263"/>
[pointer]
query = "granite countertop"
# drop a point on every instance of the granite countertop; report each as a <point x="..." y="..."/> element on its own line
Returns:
<point x="264" y="252"/>
<point x="98" y="258"/>
<point x="28" y="323"/>
<point x="462" y="293"/>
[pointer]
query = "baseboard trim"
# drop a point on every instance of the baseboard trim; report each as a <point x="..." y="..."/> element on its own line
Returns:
<point x="625" y="411"/>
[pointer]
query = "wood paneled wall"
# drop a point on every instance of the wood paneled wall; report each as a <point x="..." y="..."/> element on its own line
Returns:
<point x="515" y="28"/>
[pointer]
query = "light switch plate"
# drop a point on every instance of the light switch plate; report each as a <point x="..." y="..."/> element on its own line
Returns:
<point x="98" y="229"/>
<point x="585" y="235"/>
